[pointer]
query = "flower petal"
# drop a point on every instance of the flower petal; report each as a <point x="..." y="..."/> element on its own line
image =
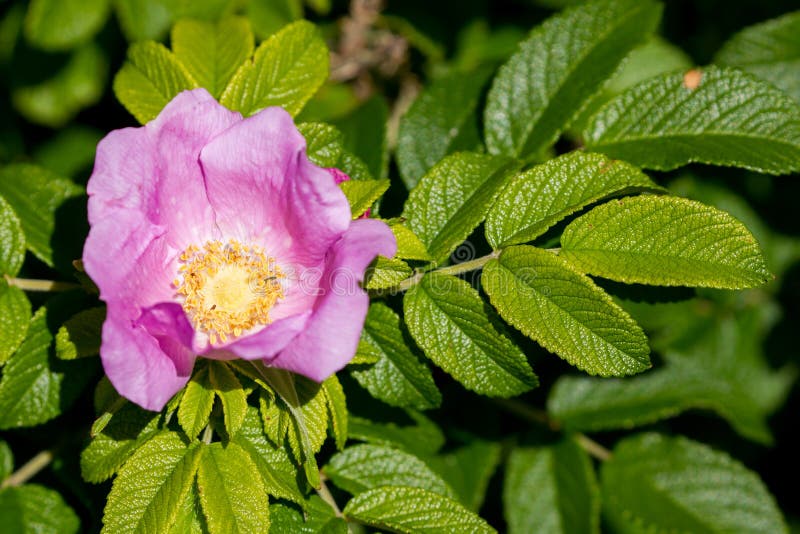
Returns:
<point x="146" y="368"/>
<point x="331" y="336"/>
<point x="271" y="340"/>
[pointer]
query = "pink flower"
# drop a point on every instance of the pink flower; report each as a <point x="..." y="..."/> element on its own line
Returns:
<point x="214" y="235"/>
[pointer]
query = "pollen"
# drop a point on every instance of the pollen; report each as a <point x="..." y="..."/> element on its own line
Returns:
<point x="227" y="288"/>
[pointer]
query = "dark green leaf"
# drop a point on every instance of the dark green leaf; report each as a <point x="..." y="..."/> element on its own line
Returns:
<point x="364" y="135"/>
<point x="34" y="508"/>
<point x="12" y="240"/>
<point x="62" y="24"/>
<point x="15" y="316"/>
<point x="468" y="469"/>
<point x="419" y="435"/>
<point x="79" y="337"/>
<point x="229" y="390"/>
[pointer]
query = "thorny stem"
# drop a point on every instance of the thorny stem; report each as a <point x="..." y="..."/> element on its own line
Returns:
<point x="29" y="470"/>
<point x="29" y="284"/>
<point x="535" y="415"/>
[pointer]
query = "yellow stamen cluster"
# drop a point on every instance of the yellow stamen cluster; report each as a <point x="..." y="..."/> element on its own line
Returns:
<point x="227" y="288"/>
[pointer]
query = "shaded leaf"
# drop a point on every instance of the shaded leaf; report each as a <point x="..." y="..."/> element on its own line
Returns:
<point x="62" y="24"/>
<point x="34" y="508"/>
<point x="79" y="337"/>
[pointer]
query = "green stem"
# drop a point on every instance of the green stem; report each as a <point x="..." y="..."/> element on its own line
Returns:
<point x="458" y="268"/>
<point x="29" y="470"/>
<point x="208" y="433"/>
<point x="29" y="284"/>
<point x="326" y="495"/>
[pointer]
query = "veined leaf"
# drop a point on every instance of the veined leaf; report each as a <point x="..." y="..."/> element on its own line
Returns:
<point x="323" y="143"/>
<point x="79" y="336"/>
<point x="210" y="52"/>
<point x="317" y="518"/>
<point x="337" y="409"/>
<point x="551" y="489"/>
<point x="557" y="68"/>
<point x="362" y="194"/>
<point x="12" y="240"/>
<point x="453" y="198"/>
<point x="363" y="467"/>
<point x="537" y="199"/>
<point x="662" y="240"/>
<point x="658" y="483"/>
<point x="769" y="50"/>
<point x="399" y="377"/>
<point x="233" y="500"/>
<point x="450" y="321"/>
<point x="386" y="272"/>
<point x="286" y="71"/>
<point x="15" y="316"/>
<point x="441" y="120"/>
<point x="196" y="404"/>
<point x="150" y="78"/>
<point x="61" y="24"/>
<point x="35" y="194"/>
<point x="468" y="469"/>
<point x="34" y="508"/>
<point x="419" y="436"/>
<point x="717" y="116"/>
<point x="229" y="390"/>
<point x="404" y="509"/>
<point x="148" y="493"/>
<point x="564" y="311"/>
<point x="409" y="246"/>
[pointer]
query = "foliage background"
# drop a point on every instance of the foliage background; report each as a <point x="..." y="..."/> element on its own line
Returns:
<point x="429" y="37"/>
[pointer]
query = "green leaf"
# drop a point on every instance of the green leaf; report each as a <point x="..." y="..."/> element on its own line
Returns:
<point x="12" y="240"/>
<point x="564" y="311"/>
<point x="129" y="428"/>
<point x="229" y="390"/>
<point x="468" y="469"/>
<point x="362" y="194"/>
<point x="717" y="116"/>
<point x="34" y="508"/>
<point x="210" y="52"/>
<point x="557" y="68"/>
<point x="385" y="273"/>
<point x="196" y="404"/>
<point x="150" y="489"/>
<point x="70" y="151"/>
<point x="399" y="377"/>
<point x="35" y="387"/>
<point x="286" y="71"/>
<point x="452" y="325"/>
<point x="233" y="500"/>
<point x="189" y="519"/>
<point x="364" y="135"/>
<point x="143" y="19"/>
<point x="337" y="409"/>
<point x="323" y="143"/>
<point x="363" y="467"/>
<point x="417" y="434"/>
<point x="551" y="489"/>
<point x="271" y="15"/>
<point x="662" y="240"/>
<point x="453" y="198"/>
<point x="443" y="119"/>
<point x="15" y="316"/>
<point x="317" y="518"/>
<point x="404" y="509"/>
<point x="62" y="24"/>
<point x="409" y="246"/>
<point x="769" y="50"/>
<point x="149" y="79"/>
<point x="6" y="461"/>
<point x="535" y="200"/>
<point x="274" y="416"/>
<point x="659" y="483"/>
<point x="79" y="337"/>
<point x="35" y="195"/>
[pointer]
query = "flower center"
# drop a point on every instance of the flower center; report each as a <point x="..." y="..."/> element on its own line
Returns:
<point x="227" y="288"/>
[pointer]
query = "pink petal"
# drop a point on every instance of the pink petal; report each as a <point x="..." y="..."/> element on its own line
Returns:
<point x="331" y="336"/>
<point x="271" y="340"/>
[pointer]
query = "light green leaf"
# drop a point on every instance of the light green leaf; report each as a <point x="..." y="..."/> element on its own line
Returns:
<point x="337" y="409"/>
<point x="210" y="52"/>
<point x="353" y="167"/>
<point x="70" y="151"/>
<point x="535" y="200"/>
<point x="286" y="71"/>
<point x="468" y="469"/>
<point x="143" y="19"/>
<point x="15" y="316"/>
<point x="148" y="492"/>
<point x="323" y="143"/>
<point x="79" y="337"/>
<point x="364" y="135"/>
<point x="35" y="195"/>
<point x="34" y="508"/>
<point x="363" y="467"/>
<point x="196" y="404"/>
<point x="404" y="509"/>
<point x="6" y="461"/>
<point x="769" y="50"/>
<point x="189" y="519"/>
<point x="415" y="433"/>
<point x="233" y="500"/>
<point x="538" y="293"/>
<point x="62" y="24"/>
<point x="409" y="246"/>
<point x="229" y="390"/>
<point x="441" y="120"/>
<point x="362" y="194"/>
<point x="149" y="79"/>
<point x="551" y="489"/>
<point x="274" y="416"/>
<point x="558" y="68"/>
<point x="385" y="273"/>
<point x="717" y="116"/>
<point x="317" y="518"/>
<point x="662" y="240"/>
<point x="452" y="325"/>
<point x="399" y="377"/>
<point x="12" y="240"/>
<point x="659" y="483"/>
<point x="453" y="198"/>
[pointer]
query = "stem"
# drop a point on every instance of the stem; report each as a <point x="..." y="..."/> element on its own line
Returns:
<point x="325" y="494"/>
<point x="592" y="447"/>
<point x="29" y="470"/>
<point x="208" y="433"/>
<point x="458" y="268"/>
<point x="29" y="284"/>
